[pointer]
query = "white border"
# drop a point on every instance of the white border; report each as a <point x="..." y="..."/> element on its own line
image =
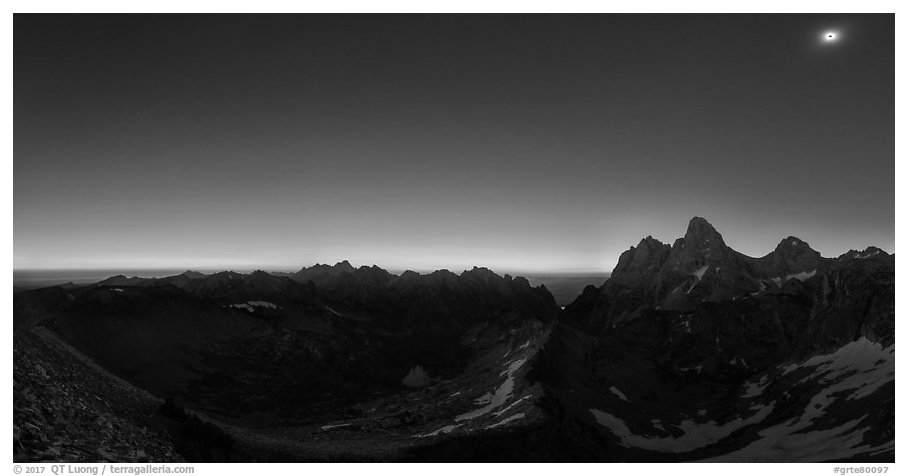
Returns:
<point x="462" y="7"/>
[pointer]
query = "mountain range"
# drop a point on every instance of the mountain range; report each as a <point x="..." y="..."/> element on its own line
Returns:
<point x="690" y="351"/>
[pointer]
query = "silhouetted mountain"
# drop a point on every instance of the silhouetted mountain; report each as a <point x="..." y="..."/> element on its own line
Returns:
<point x="453" y="302"/>
<point x="696" y="269"/>
<point x="689" y="351"/>
<point x="693" y="333"/>
<point x="322" y="272"/>
<point x="121" y="280"/>
<point x="189" y="274"/>
<point x="229" y="342"/>
<point x="790" y="257"/>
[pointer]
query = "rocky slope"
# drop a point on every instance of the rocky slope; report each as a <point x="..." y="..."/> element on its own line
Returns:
<point x="231" y="344"/>
<point x="65" y="408"/>
<point x="689" y="351"/>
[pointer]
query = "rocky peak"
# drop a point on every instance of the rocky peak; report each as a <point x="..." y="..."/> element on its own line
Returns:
<point x="793" y="255"/>
<point x="481" y="270"/>
<point x="482" y="275"/>
<point x="869" y="252"/>
<point x="122" y="280"/>
<point x="321" y="274"/>
<point x="701" y="234"/>
<point x="791" y="246"/>
<point x="790" y="242"/>
<point x="702" y="245"/>
<point x="410" y="274"/>
<point x="343" y="266"/>
<point x="649" y="254"/>
<point x="441" y="275"/>
<point x="190" y="274"/>
<point x="338" y="268"/>
<point x="521" y="282"/>
<point x="371" y="273"/>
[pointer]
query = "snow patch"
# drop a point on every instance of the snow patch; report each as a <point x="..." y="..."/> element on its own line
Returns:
<point x="445" y="429"/>
<point x="756" y="389"/>
<point x="619" y="393"/>
<point x="803" y="276"/>
<point x="117" y="290"/>
<point x="700" y="272"/>
<point x="780" y="444"/>
<point x="501" y="412"/>
<point x="328" y="427"/>
<point x="507" y="420"/>
<point x="861" y="355"/>
<point x="857" y="369"/>
<point x="502" y="394"/>
<point x="697" y="369"/>
<point x="483" y="400"/>
<point x="250" y="306"/>
<point x="695" y="435"/>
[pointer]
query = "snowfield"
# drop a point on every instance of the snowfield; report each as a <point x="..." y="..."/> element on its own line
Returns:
<point x="695" y="435"/>
<point x="854" y="371"/>
<point x="804" y="276"/>
<point x="502" y="394"/>
<point x="249" y="306"/>
<point x="700" y="272"/>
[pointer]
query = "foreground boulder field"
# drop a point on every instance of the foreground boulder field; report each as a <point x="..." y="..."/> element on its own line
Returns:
<point x="688" y="352"/>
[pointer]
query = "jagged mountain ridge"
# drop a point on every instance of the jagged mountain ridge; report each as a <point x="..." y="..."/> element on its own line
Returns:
<point x="361" y="331"/>
<point x="687" y="353"/>
<point x="268" y="351"/>
<point x="703" y="340"/>
<point x="369" y="286"/>
<point x="700" y="268"/>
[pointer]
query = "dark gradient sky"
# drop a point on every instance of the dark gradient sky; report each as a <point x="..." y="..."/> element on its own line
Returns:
<point x="527" y="143"/>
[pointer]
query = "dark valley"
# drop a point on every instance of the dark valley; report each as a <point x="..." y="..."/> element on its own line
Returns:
<point x="689" y="351"/>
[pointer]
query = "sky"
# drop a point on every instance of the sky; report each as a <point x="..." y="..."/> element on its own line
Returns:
<point x="531" y="143"/>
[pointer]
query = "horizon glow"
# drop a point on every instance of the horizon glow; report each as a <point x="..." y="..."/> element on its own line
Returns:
<point x="419" y="262"/>
<point x="519" y="143"/>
